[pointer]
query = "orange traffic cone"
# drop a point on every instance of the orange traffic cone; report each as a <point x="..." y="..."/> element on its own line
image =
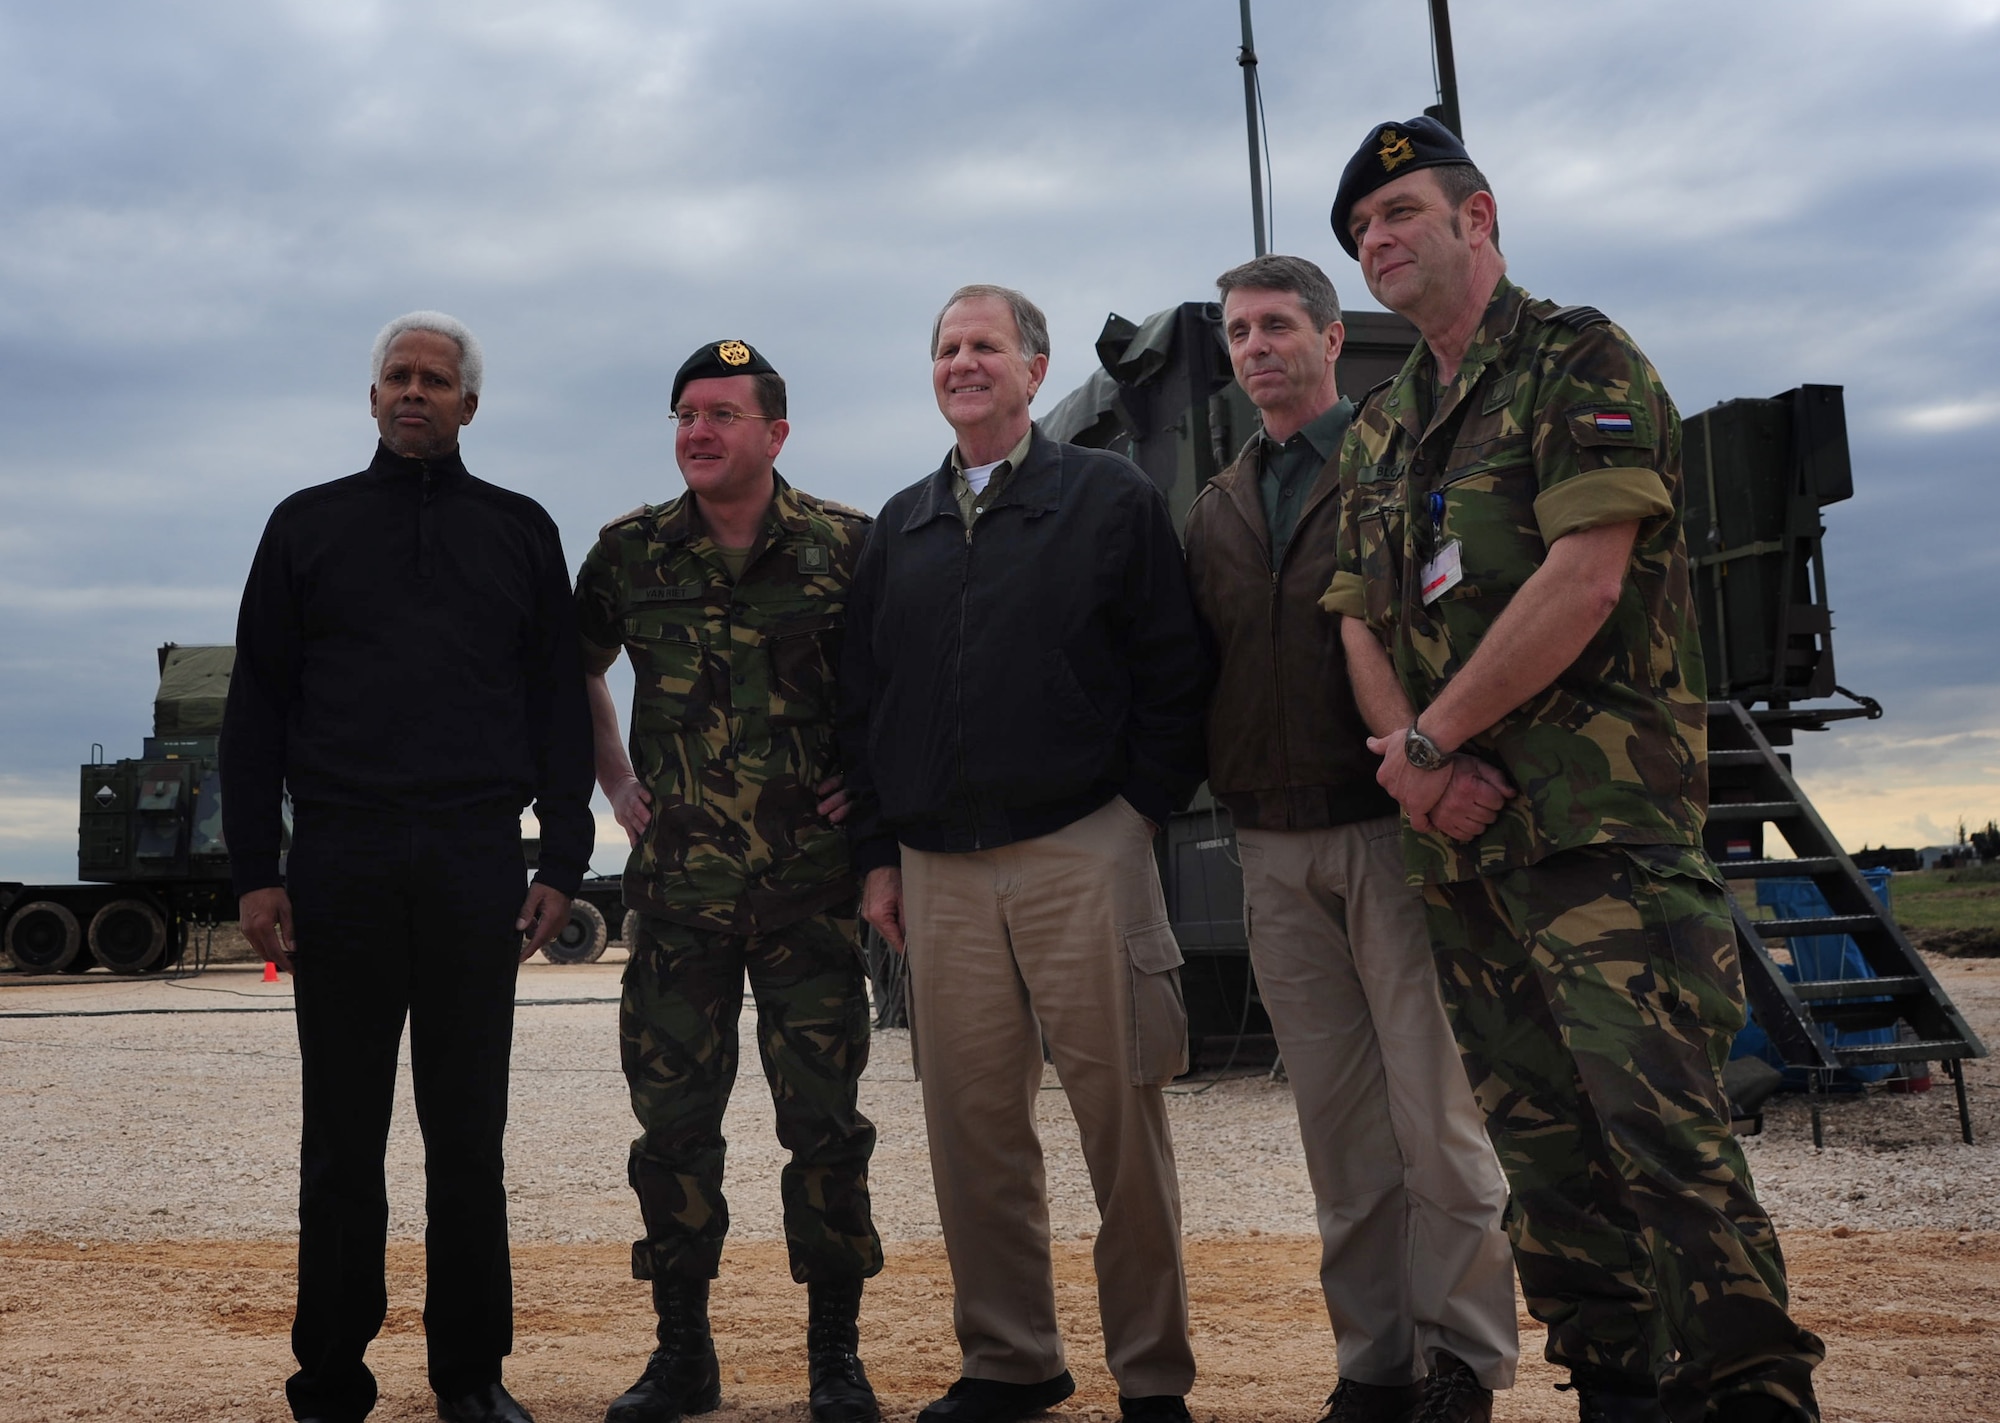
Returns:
<point x="270" y="972"/>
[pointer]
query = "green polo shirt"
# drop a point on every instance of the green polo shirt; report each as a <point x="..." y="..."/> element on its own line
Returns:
<point x="1286" y="472"/>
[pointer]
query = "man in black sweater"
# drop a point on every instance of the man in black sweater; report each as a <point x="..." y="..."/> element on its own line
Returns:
<point x="407" y="670"/>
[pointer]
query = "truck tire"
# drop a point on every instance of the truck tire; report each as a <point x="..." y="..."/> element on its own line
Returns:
<point x="128" y="935"/>
<point x="628" y="932"/>
<point x="582" y="939"/>
<point x="44" y="937"/>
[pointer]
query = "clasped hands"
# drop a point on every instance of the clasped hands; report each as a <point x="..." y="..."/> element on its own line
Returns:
<point x="1458" y="800"/>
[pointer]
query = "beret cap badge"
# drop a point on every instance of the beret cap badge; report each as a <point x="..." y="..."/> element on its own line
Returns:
<point x="1390" y="153"/>
<point x="721" y="360"/>
<point x="1395" y="150"/>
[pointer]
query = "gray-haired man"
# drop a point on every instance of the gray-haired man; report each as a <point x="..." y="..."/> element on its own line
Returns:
<point x="407" y="668"/>
<point x="1414" y="1264"/>
<point x="1021" y="705"/>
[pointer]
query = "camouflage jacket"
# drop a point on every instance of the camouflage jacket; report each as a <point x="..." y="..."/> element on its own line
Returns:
<point x="732" y="707"/>
<point x="1556" y="422"/>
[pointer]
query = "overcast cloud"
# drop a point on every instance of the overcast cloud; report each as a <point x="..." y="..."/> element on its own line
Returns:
<point x="207" y="210"/>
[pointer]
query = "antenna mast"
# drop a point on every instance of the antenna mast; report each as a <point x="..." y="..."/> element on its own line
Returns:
<point x="1445" y="110"/>
<point x="1247" y="58"/>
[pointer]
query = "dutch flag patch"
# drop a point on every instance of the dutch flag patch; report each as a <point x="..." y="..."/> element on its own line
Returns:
<point x="1612" y="424"/>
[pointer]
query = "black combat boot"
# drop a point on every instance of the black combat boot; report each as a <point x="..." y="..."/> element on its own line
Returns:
<point x="1606" y="1397"/>
<point x="681" y="1377"/>
<point x="840" y="1389"/>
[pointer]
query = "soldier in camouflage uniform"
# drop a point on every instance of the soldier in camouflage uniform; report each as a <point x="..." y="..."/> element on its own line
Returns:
<point x="730" y="602"/>
<point x="1518" y="630"/>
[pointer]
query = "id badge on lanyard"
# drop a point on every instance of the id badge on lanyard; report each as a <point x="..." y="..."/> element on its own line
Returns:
<point x="1443" y="570"/>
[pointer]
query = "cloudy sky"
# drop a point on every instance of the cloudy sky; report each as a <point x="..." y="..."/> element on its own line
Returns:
<point x="207" y="209"/>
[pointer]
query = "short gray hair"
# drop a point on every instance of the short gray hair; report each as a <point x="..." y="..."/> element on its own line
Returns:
<point x="1459" y="181"/>
<point x="1028" y="319"/>
<point x="471" y="360"/>
<point x="1287" y="274"/>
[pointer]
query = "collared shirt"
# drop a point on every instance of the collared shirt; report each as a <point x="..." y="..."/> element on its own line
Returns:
<point x="974" y="502"/>
<point x="1287" y="471"/>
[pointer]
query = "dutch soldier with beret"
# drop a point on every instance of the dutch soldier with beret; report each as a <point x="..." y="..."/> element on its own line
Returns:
<point x="1513" y="582"/>
<point x="730" y="600"/>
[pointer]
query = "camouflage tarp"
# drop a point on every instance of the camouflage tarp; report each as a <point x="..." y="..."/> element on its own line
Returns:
<point x="194" y="683"/>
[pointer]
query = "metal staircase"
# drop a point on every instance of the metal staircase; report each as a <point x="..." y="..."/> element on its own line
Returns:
<point x="1751" y="788"/>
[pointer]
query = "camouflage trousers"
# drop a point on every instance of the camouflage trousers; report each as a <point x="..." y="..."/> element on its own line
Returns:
<point x="1594" y="996"/>
<point x="677" y="1040"/>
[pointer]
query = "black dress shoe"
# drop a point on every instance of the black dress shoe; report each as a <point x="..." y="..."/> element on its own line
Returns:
<point x="990" y="1401"/>
<point x="1154" y="1408"/>
<point x="491" y="1404"/>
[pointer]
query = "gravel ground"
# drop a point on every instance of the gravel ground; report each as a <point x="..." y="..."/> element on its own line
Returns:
<point x="147" y="1221"/>
<point x="184" y="1125"/>
<point x="174" y="1125"/>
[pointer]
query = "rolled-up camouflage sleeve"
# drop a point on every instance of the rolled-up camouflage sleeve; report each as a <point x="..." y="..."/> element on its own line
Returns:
<point x="1605" y="429"/>
<point x="597" y="611"/>
<point x="1345" y="595"/>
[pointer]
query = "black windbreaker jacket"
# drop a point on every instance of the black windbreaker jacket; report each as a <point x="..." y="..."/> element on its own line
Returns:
<point x="1000" y="684"/>
<point x="407" y="642"/>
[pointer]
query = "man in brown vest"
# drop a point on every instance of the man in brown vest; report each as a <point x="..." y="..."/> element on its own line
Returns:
<point x="1414" y="1264"/>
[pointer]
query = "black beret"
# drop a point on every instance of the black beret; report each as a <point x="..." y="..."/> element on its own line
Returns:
<point x="720" y="358"/>
<point x="1390" y="151"/>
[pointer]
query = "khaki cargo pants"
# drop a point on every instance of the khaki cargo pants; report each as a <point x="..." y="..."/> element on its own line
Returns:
<point x="1065" y="938"/>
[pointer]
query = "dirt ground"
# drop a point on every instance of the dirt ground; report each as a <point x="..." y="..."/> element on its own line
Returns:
<point x="118" y="1299"/>
<point x="196" y="1332"/>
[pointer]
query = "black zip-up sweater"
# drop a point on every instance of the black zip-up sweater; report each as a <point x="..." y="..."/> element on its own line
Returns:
<point x="1002" y="682"/>
<point x="407" y="642"/>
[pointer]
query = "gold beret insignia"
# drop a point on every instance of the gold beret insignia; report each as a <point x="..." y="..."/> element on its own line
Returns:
<point x="1395" y="150"/>
<point x="735" y="353"/>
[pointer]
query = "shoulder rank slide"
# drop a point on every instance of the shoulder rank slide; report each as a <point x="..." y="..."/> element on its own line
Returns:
<point x="1579" y="318"/>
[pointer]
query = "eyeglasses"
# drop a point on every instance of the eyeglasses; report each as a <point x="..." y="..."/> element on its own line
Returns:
<point x="721" y="419"/>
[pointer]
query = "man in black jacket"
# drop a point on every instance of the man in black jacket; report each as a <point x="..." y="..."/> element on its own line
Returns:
<point x="407" y="669"/>
<point x="1414" y="1265"/>
<point x="1021" y="708"/>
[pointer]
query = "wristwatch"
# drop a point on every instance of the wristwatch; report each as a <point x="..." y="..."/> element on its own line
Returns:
<point x="1423" y="752"/>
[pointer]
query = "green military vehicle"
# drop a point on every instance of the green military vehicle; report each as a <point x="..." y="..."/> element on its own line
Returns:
<point x="149" y="841"/>
<point x="150" y="853"/>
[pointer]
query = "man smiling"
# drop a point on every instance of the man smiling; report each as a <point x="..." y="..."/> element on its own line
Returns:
<point x="1513" y="585"/>
<point x="730" y="599"/>
<point x="1021" y="707"/>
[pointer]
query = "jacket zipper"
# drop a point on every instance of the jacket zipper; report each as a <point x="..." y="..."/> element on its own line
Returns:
<point x="424" y="524"/>
<point x="958" y="700"/>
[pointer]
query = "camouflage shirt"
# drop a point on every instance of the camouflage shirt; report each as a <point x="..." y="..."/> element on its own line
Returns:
<point x="733" y="705"/>
<point x="1556" y="422"/>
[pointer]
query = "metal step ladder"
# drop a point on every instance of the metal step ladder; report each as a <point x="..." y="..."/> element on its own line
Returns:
<point x="1751" y="788"/>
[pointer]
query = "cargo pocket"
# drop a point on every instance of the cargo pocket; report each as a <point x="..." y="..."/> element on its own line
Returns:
<point x="1158" y="1012"/>
<point x="1690" y="934"/>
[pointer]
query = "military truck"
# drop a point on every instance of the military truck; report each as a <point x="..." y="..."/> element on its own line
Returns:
<point x="151" y="856"/>
<point x="149" y="841"/>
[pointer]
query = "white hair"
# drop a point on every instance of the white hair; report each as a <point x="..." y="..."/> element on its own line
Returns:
<point x="471" y="360"/>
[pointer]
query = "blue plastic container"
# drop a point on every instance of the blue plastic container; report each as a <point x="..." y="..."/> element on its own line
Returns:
<point x="1818" y="956"/>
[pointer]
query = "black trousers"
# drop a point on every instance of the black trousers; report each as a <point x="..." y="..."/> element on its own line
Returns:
<point x="403" y="915"/>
